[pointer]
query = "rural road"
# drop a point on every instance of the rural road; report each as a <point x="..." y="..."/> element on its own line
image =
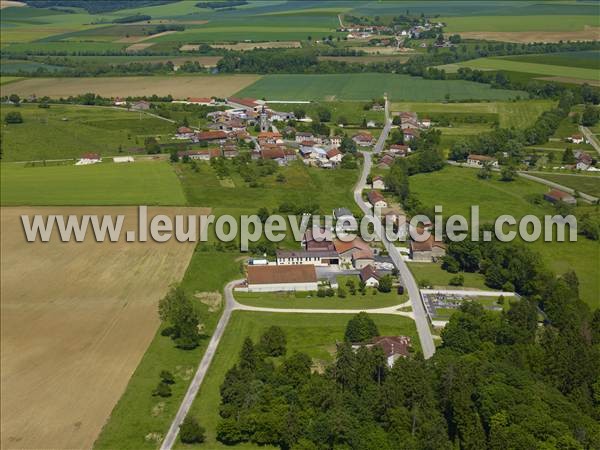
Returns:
<point x="410" y="283"/>
<point x="190" y="395"/>
<point x="590" y="137"/>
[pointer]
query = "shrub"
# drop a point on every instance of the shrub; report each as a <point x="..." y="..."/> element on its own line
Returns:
<point x="13" y="117"/>
<point x="162" y="390"/>
<point x="167" y="377"/>
<point x="191" y="432"/>
<point x="458" y="280"/>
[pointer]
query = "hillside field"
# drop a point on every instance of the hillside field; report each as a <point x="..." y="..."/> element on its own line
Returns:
<point x="370" y="85"/>
<point x="138" y="183"/>
<point x="68" y="131"/>
<point x="313" y="334"/>
<point x="180" y="87"/>
<point x="589" y="184"/>
<point x="76" y="321"/>
<point x="456" y="189"/>
<point x="519" y="114"/>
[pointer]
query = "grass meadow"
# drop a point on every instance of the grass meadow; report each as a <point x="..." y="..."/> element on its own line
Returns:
<point x="589" y="59"/>
<point x="433" y="275"/>
<point x="313" y="334"/>
<point x="509" y="23"/>
<point x="456" y="189"/>
<point x="366" y="86"/>
<point x="138" y="183"/>
<point x="68" y="131"/>
<point x="588" y="184"/>
<point x="328" y="188"/>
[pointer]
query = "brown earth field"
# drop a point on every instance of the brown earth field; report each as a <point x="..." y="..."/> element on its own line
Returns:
<point x="178" y="86"/>
<point x="76" y="320"/>
<point x="588" y="34"/>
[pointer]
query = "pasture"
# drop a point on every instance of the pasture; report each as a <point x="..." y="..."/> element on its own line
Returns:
<point x="67" y="131"/>
<point x="456" y="189"/>
<point x="588" y="184"/>
<point x="366" y="86"/>
<point x="107" y="183"/>
<point x="180" y="87"/>
<point x="433" y="275"/>
<point x="313" y="334"/>
<point x="585" y="59"/>
<point x="72" y="338"/>
<point x="518" y="114"/>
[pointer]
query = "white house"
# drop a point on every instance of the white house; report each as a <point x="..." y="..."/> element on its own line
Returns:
<point x="576" y="139"/>
<point x="369" y="276"/>
<point x="282" y="278"/>
<point x="123" y="159"/>
<point x="481" y="160"/>
<point x="376" y="199"/>
<point x="335" y="141"/>
<point x="378" y="182"/>
<point x="335" y="156"/>
<point x="302" y="136"/>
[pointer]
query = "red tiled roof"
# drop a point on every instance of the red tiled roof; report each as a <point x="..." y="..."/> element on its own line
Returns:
<point x="249" y="102"/>
<point x="357" y="243"/>
<point x="200" y="100"/>
<point x="480" y="158"/>
<point x="559" y="195"/>
<point x="333" y="152"/>
<point x="211" y="135"/>
<point x="369" y="272"/>
<point x="302" y="273"/>
<point x="90" y="156"/>
<point x="375" y="196"/>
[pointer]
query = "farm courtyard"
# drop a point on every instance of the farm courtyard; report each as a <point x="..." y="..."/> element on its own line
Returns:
<point x="68" y="311"/>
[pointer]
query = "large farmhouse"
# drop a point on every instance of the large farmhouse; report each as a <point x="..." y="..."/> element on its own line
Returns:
<point x="282" y="278"/>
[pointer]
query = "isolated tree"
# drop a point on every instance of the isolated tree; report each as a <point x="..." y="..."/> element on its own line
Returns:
<point x="167" y="377"/>
<point x="385" y="284"/>
<point x="508" y="173"/>
<point x="361" y="328"/>
<point x="14" y="99"/>
<point x="178" y="311"/>
<point x="273" y="342"/>
<point x="13" y="117"/>
<point x="162" y="390"/>
<point x="190" y="431"/>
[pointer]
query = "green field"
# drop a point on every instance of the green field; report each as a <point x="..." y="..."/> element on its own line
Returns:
<point x="352" y="111"/>
<point x="138" y="413"/>
<point x="68" y="131"/>
<point x="313" y="334"/>
<point x="588" y="184"/>
<point x="107" y="183"/>
<point x="456" y="189"/>
<point x="508" y="23"/>
<point x="370" y="85"/>
<point x="518" y="114"/>
<point x="589" y="59"/>
<point x="328" y="188"/>
<point x="531" y="67"/>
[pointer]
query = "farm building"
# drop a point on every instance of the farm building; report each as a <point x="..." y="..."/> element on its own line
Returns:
<point x="555" y="196"/>
<point x="427" y="251"/>
<point x="318" y="240"/>
<point x="316" y="258"/>
<point x="357" y="248"/>
<point x="481" y="160"/>
<point x="394" y="347"/>
<point x="88" y="158"/>
<point x="206" y="101"/>
<point x="123" y="159"/>
<point x="282" y="278"/>
<point x="207" y="136"/>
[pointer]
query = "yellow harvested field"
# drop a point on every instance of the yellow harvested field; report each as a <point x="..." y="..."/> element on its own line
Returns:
<point x="10" y="3"/>
<point x="587" y="34"/>
<point x="177" y="86"/>
<point x="76" y="321"/>
<point x="139" y="47"/>
<point x="134" y="39"/>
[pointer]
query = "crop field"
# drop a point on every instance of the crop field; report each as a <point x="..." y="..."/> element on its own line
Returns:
<point x="557" y="23"/>
<point x="68" y="131"/>
<point x="585" y="59"/>
<point x="138" y="183"/>
<point x="177" y="86"/>
<point x="456" y="189"/>
<point x="369" y="85"/>
<point x="518" y="114"/>
<point x="68" y="349"/>
<point x="530" y="67"/>
<point x="328" y="188"/>
<point x="313" y="334"/>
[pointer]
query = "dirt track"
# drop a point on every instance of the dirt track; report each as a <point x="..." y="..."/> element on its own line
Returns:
<point x="76" y="320"/>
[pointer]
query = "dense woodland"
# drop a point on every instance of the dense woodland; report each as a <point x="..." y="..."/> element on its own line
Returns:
<point x="499" y="381"/>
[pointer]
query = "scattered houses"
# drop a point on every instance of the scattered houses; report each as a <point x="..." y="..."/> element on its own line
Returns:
<point x="369" y="276"/>
<point x="481" y="160"/>
<point x="271" y="278"/>
<point x="363" y="139"/>
<point x="556" y="196"/>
